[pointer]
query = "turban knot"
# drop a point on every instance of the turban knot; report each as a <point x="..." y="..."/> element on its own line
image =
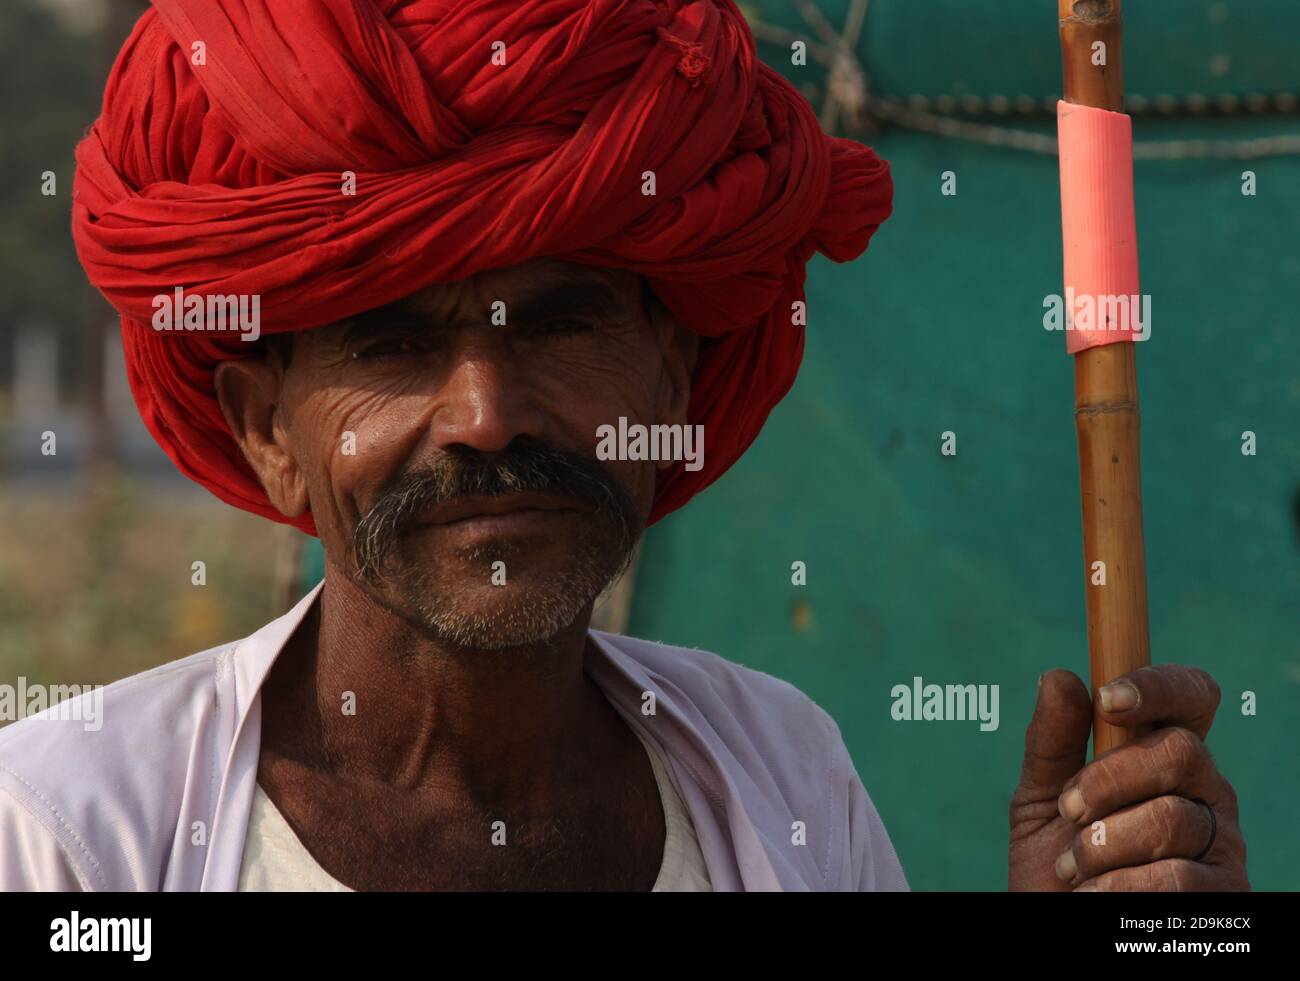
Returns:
<point x="473" y="136"/>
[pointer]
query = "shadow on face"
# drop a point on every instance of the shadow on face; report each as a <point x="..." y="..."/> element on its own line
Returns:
<point x="446" y="444"/>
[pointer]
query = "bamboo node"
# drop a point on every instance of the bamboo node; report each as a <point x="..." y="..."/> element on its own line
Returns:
<point x="1104" y="407"/>
<point x="1092" y="13"/>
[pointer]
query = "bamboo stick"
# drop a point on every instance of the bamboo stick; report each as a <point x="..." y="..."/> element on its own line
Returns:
<point x="1106" y="411"/>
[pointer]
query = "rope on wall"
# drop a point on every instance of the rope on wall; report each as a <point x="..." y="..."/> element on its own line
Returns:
<point x="847" y="94"/>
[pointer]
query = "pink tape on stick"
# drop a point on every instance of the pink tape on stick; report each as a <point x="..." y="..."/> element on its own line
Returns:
<point x="1098" y="228"/>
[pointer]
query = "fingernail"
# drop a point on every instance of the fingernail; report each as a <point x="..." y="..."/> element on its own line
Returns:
<point x="1065" y="867"/>
<point x="1040" y="679"/>
<point x="1071" y="804"/>
<point x="1119" y="697"/>
<point x="1087" y="889"/>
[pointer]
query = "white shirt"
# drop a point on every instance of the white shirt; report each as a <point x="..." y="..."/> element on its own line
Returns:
<point x="159" y="797"/>
<point x="276" y="861"/>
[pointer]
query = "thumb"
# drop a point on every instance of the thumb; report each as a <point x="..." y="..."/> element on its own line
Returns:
<point x="1056" y="742"/>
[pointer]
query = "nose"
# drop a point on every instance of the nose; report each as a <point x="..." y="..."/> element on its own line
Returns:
<point x="487" y="399"/>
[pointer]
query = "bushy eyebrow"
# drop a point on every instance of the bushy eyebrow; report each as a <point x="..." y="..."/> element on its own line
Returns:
<point x="570" y="295"/>
<point x="565" y="294"/>
<point x="396" y="317"/>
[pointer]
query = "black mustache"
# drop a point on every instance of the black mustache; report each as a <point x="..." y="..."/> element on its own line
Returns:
<point x="527" y="465"/>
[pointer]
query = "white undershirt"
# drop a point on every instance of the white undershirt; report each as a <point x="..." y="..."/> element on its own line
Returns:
<point x="276" y="861"/>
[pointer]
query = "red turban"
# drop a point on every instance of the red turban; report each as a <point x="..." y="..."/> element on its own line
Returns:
<point x="216" y="166"/>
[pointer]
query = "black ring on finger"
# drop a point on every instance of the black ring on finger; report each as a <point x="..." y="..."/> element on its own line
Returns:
<point x="1214" y="828"/>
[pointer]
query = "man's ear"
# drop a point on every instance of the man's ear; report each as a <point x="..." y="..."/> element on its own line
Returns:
<point x="249" y="391"/>
<point x="681" y="350"/>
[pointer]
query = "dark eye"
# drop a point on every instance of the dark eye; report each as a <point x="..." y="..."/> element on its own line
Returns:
<point x="391" y="347"/>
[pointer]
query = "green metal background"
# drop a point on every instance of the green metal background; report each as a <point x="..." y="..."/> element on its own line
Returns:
<point x="967" y="569"/>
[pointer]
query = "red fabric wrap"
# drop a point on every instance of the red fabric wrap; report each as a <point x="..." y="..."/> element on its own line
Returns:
<point x="225" y="178"/>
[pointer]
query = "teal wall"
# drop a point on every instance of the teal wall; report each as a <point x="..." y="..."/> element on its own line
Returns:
<point x="967" y="569"/>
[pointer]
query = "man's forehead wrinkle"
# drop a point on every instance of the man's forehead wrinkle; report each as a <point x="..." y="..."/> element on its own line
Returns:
<point x="530" y="291"/>
<point x="434" y="299"/>
<point x="536" y="276"/>
<point x="571" y="294"/>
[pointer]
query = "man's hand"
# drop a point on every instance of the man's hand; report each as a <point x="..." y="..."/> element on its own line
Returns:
<point x="1130" y="820"/>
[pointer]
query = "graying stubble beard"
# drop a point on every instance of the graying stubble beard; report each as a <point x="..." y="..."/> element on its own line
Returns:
<point x="535" y="618"/>
<point x="381" y="551"/>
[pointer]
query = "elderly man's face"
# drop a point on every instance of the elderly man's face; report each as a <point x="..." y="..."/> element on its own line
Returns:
<point x="450" y="459"/>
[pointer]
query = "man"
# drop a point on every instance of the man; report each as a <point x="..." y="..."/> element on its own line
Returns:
<point x="469" y="273"/>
